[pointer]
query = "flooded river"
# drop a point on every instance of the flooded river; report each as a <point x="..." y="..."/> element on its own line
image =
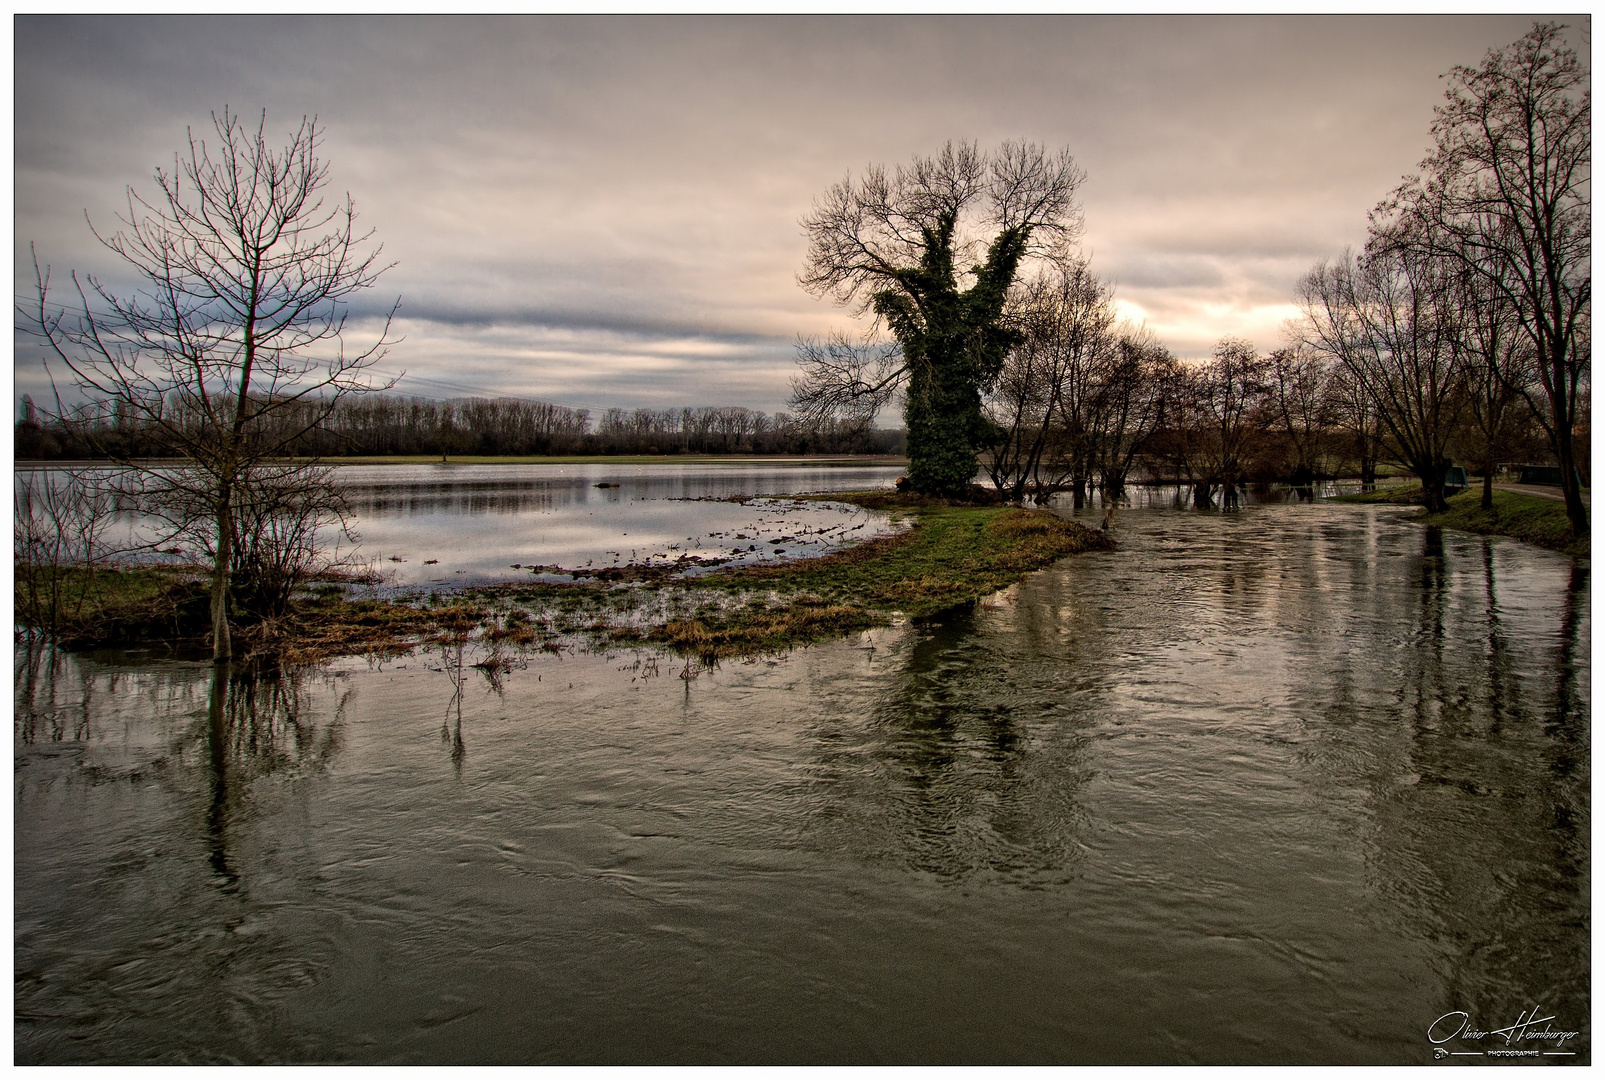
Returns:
<point x="1293" y="784"/>
<point x="448" y="525"/>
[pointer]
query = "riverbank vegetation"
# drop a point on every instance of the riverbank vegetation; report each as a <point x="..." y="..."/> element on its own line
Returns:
<point x="1459" y="332"/>
<point x="1531" y="518"/>
<point x="225" y="343"/>
<point x="951" y="553"/>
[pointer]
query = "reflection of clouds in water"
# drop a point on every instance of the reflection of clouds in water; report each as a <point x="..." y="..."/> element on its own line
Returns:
<point x="477" y="522"/>
<point x="472" y="523"/>
<point x="489" y="545"/>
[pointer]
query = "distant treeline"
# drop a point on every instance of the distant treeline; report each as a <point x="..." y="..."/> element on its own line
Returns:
<point x="378" y="424"/>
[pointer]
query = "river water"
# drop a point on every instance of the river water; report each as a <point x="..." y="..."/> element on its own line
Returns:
<point x="1284" y="785"/>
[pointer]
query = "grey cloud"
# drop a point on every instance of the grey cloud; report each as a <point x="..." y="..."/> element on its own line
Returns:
<point x="1164" y="271"/>
<point x="630" y="180"/>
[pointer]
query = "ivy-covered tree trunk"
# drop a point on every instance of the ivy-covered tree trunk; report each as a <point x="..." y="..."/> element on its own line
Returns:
<point x="954" y="344"/>
<point x="942" y="414"/>
<point x="887" y="243"/>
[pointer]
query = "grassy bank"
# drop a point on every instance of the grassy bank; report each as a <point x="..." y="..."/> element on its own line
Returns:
<point x="949" y="555"/>
<point x="1529" y="518"/>
<point x="83" y="607"/>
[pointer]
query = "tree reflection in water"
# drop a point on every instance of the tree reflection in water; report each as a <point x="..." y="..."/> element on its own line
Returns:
<point x="255" y="722"/>
<point x="451" y="728"/>
<point x="970" y="762"/>
<point x="44" y="679"/>
<point x="256" y="726"/>
<point x="1485" y="842"/>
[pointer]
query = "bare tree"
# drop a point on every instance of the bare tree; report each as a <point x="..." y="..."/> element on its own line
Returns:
<point x="1505" y="193"/>
<point x="1041" y="404"/>
<point x="1355" y="421"/>
<point x="1298" y="398"/>
<point x="59" y="526"/>
<point x="932" y="250"/>
<point x="1498" y="370"/>
<point x="232" y="347"/>
<point x="1390" y="320"/>
<point x="1228" y="391"/>
<point x="1137" y="384"/>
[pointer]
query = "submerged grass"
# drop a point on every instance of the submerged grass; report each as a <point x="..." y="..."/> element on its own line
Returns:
<point x="1394" y="494"/>
<point x="949" y="555"/>
<point x="1529" y="518"/>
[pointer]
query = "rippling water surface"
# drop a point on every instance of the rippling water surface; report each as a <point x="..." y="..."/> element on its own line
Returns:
<point x="1284" y="785"/>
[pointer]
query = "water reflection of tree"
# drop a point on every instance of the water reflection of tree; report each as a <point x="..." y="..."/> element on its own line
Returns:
<point x="44" y="676"/>
<point x="451" y="728"/>
<point x="243" y="724"/>
<point x="1484" y="843"/>
<point x="469" y="497"/>
<point x="973" y="761"/>
<point x="258" y="723"/>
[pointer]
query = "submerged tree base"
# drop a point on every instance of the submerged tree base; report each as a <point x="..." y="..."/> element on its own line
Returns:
<point x="952" y="554"/>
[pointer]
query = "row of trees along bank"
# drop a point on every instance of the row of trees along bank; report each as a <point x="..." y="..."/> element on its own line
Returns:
<point x="382" y="424"/>
<point x="1468" y="310"/>
<point x="1460" y="331"/>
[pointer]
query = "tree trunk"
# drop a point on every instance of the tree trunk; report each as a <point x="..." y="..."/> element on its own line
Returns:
<point x="1570" y="486"/>
<point x="222" y="643"/>
<point x="1488" y="484"/>
<point x="1432" y="477"/>
<point x="940" y="418"/>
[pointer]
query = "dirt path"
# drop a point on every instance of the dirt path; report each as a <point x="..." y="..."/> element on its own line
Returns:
<point x="1534" y="489"/>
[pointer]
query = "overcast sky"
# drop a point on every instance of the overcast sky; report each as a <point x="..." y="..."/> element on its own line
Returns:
<point x="604" y="211"/>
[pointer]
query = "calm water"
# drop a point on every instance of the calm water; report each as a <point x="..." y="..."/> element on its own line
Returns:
<point x="449" y="525"/>
<point x="1286" y="785"/>
<point x="459" y="524"/>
